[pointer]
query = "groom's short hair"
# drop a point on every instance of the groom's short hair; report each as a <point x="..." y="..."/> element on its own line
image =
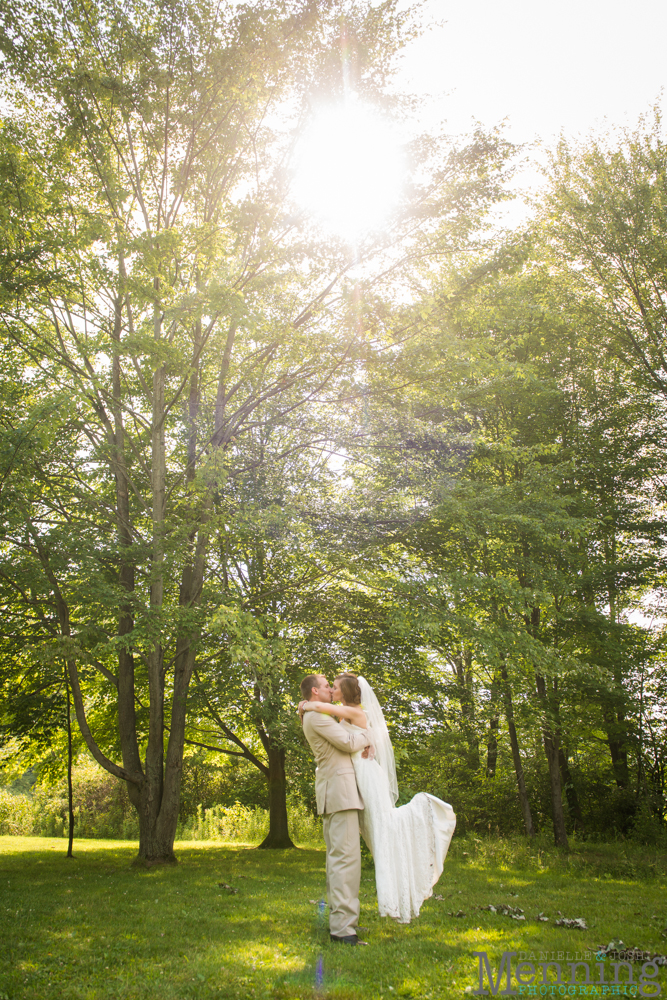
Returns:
<point x="308" y="683"/>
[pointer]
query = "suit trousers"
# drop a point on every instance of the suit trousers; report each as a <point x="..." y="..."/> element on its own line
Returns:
<point x="341" y="835"/>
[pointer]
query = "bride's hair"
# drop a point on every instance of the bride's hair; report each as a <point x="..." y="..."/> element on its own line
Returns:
<point x="349" y="687"/>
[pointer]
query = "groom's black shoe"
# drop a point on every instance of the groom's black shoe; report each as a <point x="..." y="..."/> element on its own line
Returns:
<point x="348" y="939"/>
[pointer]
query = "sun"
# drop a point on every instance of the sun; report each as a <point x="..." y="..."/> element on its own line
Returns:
<point x="349" y="170"/>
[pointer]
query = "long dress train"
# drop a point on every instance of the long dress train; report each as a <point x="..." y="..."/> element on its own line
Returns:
<point x="408" y="843"/>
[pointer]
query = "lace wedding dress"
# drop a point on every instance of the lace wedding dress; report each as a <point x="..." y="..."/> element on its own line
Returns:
<point x="408" y="844"/>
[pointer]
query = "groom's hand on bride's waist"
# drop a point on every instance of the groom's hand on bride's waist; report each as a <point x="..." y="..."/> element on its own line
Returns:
<point x="369" y="752"/>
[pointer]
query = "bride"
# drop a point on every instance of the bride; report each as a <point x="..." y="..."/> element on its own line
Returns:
<point x="408" y="844"/>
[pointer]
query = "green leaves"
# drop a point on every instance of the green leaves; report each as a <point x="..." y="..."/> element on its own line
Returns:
<point x="245" y="633"/>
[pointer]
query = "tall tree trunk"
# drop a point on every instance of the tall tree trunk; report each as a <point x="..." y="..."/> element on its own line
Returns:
<point x="557" y="813"/>
<point x="158" y="818"/>
<point x="613" y="711"/>
<point x="573" y="807"/>
<point x="127" y="722"/>
<point x="551" y="749"/>
<point x="159" y="799"/>
<point x="155" y="843"/>
<point x="492" y="747"/>
<point x="492" y="736"/>
<point x="70" y="790"/>
<point x="616" y="729"/>
<point x="156" y="840"/>
<point x="463" y="666"/>
<point x="516" y="756"/>
<point x="159" y="829"/>
<point x="278" y="835"/>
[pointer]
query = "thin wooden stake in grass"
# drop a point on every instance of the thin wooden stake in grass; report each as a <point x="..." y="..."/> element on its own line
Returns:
<point x="69" y="771"/>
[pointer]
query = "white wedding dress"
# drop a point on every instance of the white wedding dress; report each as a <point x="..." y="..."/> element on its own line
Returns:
<point x="408" y="844"/>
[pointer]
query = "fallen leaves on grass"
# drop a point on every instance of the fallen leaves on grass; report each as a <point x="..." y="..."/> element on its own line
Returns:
<point x="230" y="888"/>
<point x="617" y="951"/>
<point x="459" y="914"/>
<point x="505" y="910"/>
<point x="576" y="923"/>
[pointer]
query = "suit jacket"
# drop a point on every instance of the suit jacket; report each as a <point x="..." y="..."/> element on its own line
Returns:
<point x="335" y="783"/>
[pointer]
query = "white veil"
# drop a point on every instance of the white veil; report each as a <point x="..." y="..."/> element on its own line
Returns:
<point x="384" y="752"/>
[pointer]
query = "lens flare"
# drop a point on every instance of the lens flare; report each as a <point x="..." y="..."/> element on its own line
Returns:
<point x="349" y="169"/>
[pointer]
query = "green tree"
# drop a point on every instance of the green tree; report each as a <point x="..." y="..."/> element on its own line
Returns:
<point x="154" y="283"/>
<point x="164" y="298"/>
<point x="605" y="215"/>
<point x="527" y="473"/>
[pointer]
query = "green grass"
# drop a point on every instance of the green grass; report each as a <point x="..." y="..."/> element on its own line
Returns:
<point x="94" y="928"/>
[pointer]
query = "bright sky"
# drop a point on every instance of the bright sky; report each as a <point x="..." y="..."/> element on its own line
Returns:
<point x="546" y="65"/>
<point x="543" y="66"/>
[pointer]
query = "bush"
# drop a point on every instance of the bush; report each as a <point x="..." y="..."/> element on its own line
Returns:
<point x="16" y="814"/>
<point x="241" y="824"/>
<point x="102" y="810"/>
<point x="304" y="827"/>
<point x="223" y="783"/>
<point x="485" y="805"/>
<point x="648" y="827"/>
<point x="235" y="823"/>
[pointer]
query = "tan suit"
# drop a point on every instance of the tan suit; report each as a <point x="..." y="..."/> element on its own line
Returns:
<point x="339" y="801"/>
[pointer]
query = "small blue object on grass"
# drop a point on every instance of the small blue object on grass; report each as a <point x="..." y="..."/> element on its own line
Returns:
<point x="319" y="969"/>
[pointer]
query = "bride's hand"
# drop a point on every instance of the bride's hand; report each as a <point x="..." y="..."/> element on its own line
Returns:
<point x="307" y="706"/>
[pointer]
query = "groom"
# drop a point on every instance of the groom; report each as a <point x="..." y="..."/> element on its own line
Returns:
<point x="339" y="801"/>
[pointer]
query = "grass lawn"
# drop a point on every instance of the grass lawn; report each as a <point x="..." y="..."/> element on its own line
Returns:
<point x="94" y="928"/>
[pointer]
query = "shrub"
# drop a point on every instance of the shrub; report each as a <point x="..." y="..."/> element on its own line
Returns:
<point x="207" y="784"/>
<point x="16" y="814"/>
<point x="236" y="823"/>
<point x="102" y="810"/>
<point x="242" y="824"/>
<point x="648" y="826"/>
<point x="304" y="827"/>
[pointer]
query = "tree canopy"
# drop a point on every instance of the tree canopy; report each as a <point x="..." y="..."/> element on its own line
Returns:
<point x="234" y="449"/>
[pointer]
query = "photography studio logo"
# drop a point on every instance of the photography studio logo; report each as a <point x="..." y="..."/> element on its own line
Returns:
<point x="554" y="978"/>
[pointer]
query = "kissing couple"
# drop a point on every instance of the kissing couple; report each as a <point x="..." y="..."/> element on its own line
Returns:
<point x="356" y="790"/>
